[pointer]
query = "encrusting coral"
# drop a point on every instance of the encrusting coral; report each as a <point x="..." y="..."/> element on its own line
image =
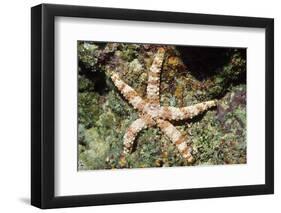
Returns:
<point x="152" y="114"/>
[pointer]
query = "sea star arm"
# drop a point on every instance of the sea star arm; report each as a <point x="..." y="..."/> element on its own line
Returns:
<point x="128" y="92"/>
<point x="153" y="82"/>
<point x="177" y="138"/>
<point x="132" y="133"/>
<point x="182" y="113"/>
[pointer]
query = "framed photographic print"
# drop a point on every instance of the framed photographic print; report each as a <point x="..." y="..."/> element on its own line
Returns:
<point x="139" y="106"/>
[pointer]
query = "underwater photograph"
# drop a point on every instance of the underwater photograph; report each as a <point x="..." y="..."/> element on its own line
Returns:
<point x="158" y="105"/>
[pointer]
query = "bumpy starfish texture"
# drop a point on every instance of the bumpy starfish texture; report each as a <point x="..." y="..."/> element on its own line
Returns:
<point x="151" y="114"/>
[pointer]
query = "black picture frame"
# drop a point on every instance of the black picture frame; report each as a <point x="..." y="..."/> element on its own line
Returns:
<point x="43" y="102"/>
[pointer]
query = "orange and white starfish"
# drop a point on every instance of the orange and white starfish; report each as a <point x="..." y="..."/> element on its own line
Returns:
<point x="151" y="114"/>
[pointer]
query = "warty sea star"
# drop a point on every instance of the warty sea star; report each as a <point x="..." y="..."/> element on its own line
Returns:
<point x="151" y="114"/>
